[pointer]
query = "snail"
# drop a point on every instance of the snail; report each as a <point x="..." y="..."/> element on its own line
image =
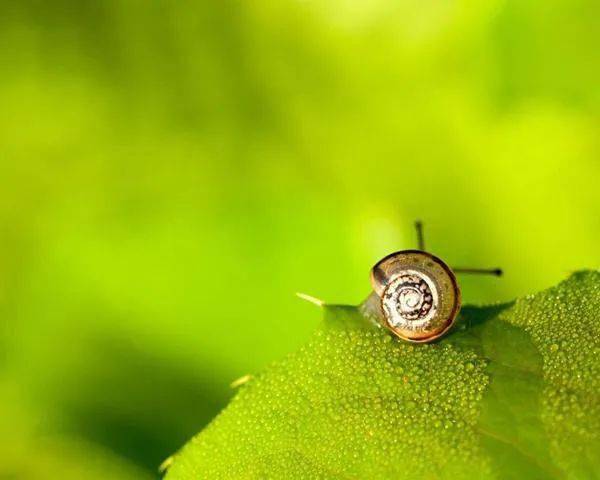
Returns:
<point x="417" y="293"/>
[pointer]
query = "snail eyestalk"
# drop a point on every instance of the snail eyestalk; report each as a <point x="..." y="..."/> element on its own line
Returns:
<point x="419" y="297"/>
<point x="420" y="238"/>
<point x="483" y="271"/>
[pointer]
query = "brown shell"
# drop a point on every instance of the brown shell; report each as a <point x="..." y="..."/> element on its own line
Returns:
<point x="420" y="297"/>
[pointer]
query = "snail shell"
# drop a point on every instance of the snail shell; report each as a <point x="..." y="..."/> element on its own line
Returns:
<point x="420" y="298"/>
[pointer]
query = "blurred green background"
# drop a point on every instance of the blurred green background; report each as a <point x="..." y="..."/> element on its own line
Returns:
<point x="172" y="172"/>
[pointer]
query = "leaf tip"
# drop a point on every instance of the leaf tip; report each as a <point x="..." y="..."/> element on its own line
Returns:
<point x="310" y="299"/>
<point x="238" y="382"/>
<point x="164" y="466"/>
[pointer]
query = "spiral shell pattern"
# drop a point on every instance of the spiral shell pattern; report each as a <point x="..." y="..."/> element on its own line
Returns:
<point x="410" y="300"/>
<point x="419" y="295"/>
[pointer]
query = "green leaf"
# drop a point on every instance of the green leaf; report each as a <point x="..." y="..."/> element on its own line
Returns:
<point x="512" y="392"/>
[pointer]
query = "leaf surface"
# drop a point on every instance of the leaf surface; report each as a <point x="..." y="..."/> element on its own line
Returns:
<point x="511" y="392"/>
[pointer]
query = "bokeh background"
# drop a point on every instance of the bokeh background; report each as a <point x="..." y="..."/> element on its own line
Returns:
<point x="171" y="173"/>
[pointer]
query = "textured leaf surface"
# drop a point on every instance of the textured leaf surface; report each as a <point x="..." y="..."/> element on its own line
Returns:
<point x="512" y="392"/>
